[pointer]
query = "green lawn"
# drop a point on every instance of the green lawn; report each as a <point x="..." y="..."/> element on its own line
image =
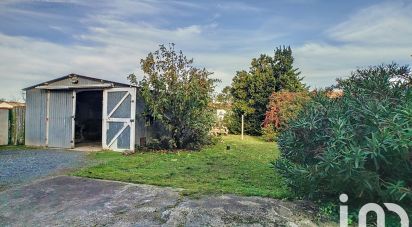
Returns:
<point x="245" y="169"/>
<point x="16" y="147"/>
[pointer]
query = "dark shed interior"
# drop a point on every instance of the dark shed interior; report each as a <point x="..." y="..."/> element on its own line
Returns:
<point x="88" y="120"/>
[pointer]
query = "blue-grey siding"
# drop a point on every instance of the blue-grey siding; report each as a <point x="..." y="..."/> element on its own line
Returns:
<point x="60" y="119"/>
<point x="35" y="133"/>
<point x="123" y="141"/>
<point x="123" y="111"/>
<point x="145" y="129"/>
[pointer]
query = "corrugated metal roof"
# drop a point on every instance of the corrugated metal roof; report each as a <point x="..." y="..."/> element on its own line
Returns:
<point x="78" y="76"/>
<point x="63" y="87"/>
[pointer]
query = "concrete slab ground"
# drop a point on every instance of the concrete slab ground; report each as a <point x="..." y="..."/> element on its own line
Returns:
<point x="74" y="201"/>
<point x="88" y="146"/>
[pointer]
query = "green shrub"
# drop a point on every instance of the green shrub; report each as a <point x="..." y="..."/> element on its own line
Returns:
<point x="232" y="123"/>
<point x="359" y="144"/>
<point x="161" y="143"/>
<point x="177" y="95"/>
<point x="269" y="133"/>
<point x="153" y="144"/>
<point x="167" y="142"/>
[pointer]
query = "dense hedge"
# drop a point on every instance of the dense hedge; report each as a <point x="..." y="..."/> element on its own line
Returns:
<point x="359" y="144"/>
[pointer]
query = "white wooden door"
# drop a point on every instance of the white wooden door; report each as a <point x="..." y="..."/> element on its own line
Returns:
<point x="119" y="113"/>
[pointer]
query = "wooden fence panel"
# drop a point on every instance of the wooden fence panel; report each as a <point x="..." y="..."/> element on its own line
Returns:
<point x="16" y="118"/>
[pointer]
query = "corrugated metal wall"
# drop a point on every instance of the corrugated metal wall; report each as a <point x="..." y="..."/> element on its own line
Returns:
<point x="140" y="120"/>
<point x="145" y="130"/>
<point x="35" y="133"/>
<point x="60" y="119"/>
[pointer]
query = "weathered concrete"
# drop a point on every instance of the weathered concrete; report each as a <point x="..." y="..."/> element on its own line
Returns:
<point x="73" y="201"/>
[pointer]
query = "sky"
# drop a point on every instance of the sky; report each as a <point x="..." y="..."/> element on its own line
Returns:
<point x="43" y="40"/>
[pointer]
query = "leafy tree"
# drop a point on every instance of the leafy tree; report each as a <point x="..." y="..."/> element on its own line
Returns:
<point x="177" y="94"/>
<point x="358" y="143"/>
<point x="251" y="90"/>
<point x="225" y="96"/>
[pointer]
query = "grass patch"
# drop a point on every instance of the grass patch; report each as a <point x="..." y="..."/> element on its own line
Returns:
<point x="16" y="147"/>
<point x="245" y="169"/>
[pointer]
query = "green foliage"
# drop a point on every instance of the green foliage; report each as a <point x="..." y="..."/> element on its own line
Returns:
<point x="269" y="133"/>
<point x="231" y="122"/>
<point x="358" y="144"/>
<point x="251" y="90"/>
<point x="287" y="77"/>
<point x="177" y="94"/>
<point x="18" y="147"/>
<point x="16" y="130"/>
<point x="225" y="96"/>
<point x="164" y="142"/>
<point x="242" y="170"/>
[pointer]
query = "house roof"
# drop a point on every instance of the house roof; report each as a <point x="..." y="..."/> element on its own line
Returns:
<point x="335" y="93"/>
<point x="10" y="105"/>
<point x="79" y="76"/>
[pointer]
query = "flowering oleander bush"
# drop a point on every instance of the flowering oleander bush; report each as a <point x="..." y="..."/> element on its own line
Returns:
<point x="359" y="144"/>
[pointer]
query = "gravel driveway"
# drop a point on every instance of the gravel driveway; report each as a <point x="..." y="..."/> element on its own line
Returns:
<point x="21" y="166"/>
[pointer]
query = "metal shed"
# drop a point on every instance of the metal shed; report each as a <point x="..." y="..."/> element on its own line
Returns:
<point x="76" y="110"/>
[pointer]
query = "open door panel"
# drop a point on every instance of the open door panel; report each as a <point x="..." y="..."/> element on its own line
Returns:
<point x="119" y="112"/>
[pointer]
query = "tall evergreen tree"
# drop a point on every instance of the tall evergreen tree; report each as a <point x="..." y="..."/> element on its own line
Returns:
<point x="251" y="90"/>
<point x="287" y="76"/>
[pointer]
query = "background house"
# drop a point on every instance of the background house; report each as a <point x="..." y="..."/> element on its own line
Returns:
<point x="220" y="114"/>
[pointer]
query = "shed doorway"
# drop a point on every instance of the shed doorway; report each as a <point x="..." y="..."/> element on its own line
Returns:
<point x="88" y="120"/>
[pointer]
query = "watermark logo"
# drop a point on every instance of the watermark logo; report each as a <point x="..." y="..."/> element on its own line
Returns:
<point x="372" y="207"/>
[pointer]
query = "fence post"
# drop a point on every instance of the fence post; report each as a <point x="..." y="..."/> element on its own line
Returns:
<point x="242" y="125"/>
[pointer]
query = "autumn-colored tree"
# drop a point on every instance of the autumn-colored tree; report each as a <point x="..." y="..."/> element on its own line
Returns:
<point x="284" y="106"/>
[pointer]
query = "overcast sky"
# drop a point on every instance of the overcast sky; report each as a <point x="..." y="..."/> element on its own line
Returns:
<point x="42" y="40"/>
